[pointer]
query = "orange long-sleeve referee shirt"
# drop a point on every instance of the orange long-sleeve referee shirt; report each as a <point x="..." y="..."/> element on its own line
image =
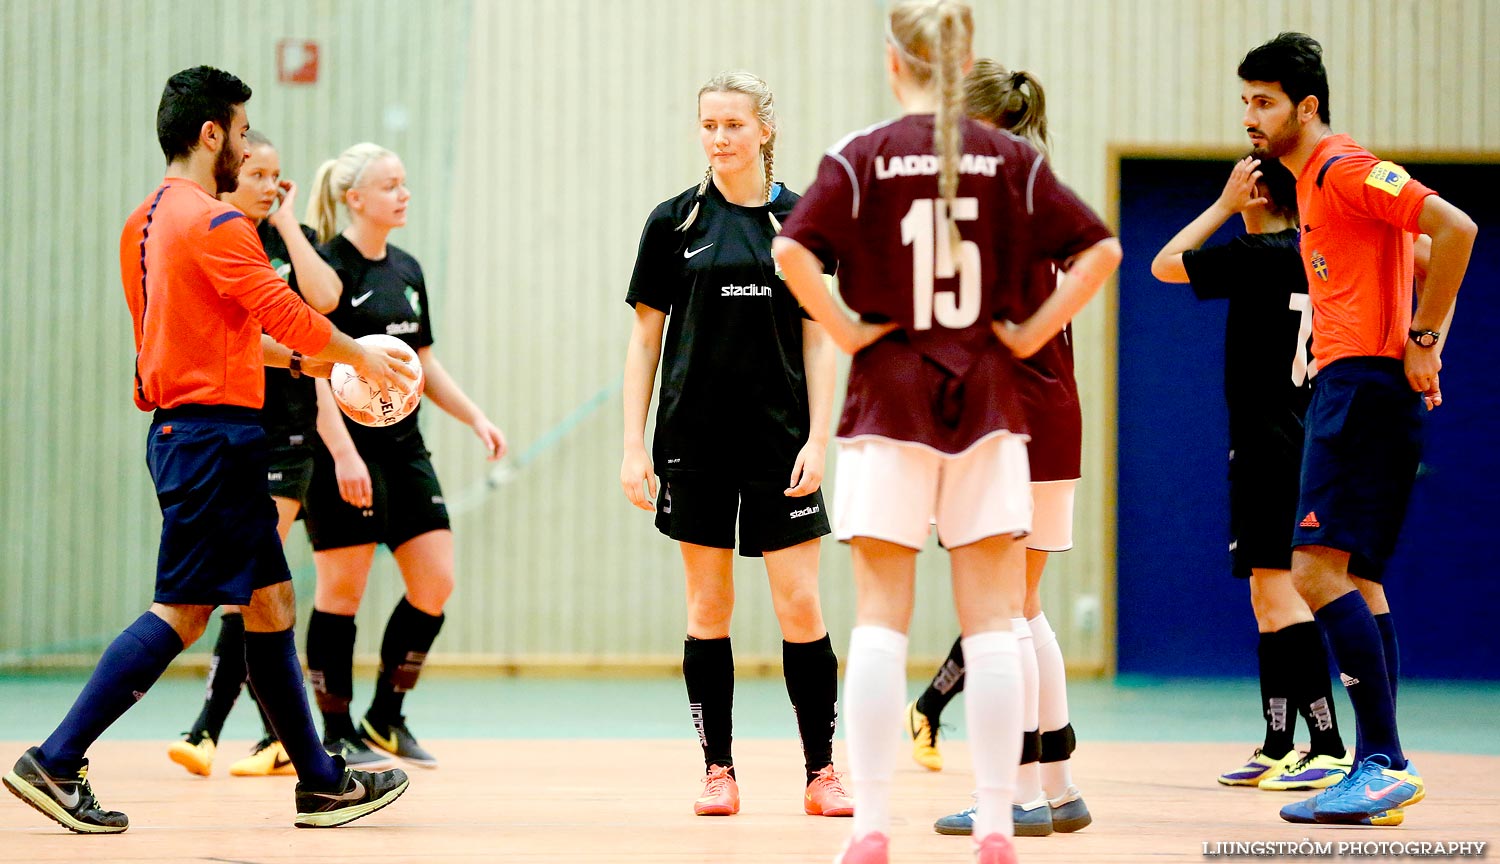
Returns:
<point x="200" y="291"/>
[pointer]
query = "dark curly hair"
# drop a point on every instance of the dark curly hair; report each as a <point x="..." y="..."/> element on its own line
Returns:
<point x="1295" y="61"/>
<point x="193" y="97"/>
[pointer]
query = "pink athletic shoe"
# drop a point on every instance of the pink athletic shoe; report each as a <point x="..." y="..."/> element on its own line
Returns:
<point x="873" y="848"/>
<point x="995" y="849"/>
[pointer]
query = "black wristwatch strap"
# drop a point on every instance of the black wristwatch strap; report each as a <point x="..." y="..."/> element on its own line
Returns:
<point x="1424" y="338"/>
<point x="295" y="366"/>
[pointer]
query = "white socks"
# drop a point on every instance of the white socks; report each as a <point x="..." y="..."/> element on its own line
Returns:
<point x="1029" y="775"/>
<point x="874" y="699"/>
<point x="1052" y="706"/>
<point x="992" y="714"/>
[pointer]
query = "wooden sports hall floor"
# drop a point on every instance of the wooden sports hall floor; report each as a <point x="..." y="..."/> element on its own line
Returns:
<point x="530" y="801"/>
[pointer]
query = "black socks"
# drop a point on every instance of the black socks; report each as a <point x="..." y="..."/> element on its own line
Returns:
<point x="408" y="637"/>
<point x="947" y="683"/>
<point x="226" y="675"/>
<point x="330" y="665"/>
<point x="812" y="681"/>
<point x="708" y="670"/>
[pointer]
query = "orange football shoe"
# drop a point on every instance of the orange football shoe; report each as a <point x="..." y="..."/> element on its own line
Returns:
<point x="826" y="796"/>
<point x="721" y="795"/>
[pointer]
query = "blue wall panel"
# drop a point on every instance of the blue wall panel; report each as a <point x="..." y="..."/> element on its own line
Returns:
<point x="1180" y="612"/>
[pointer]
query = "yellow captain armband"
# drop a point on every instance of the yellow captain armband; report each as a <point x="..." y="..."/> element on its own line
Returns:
<point x="1387" y="177"/>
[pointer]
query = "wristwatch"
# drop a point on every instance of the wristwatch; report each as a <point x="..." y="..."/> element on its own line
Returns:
<point x="1424" y="338"/>
<point x="295" y="365"/>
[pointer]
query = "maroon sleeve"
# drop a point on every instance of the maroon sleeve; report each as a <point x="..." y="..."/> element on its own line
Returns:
<point x="1061" y="224"/>
<point x="823" y="220"/>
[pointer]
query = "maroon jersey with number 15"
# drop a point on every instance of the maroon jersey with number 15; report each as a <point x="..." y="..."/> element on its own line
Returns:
<point x="942" y="380"/>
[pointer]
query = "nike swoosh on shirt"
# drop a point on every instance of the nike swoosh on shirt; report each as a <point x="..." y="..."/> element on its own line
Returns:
<point x="687" y="254"/>
<point x="361" y="298"/>
<point x="68" y="800"/>
<point x="354" y="794"/>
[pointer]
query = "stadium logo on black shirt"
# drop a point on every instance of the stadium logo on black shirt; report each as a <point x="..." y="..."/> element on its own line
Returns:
<point x="745" y="291"/>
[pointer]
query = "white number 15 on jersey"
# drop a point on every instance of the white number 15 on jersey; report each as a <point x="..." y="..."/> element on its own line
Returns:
<point x="920" y="227"/>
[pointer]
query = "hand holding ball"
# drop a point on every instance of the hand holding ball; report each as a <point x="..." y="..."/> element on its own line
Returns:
<point x="369" y="404"/>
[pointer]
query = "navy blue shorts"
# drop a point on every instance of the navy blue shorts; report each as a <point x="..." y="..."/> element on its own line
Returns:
<point x="218" y="534"/>
<point x="1364" y="441"/>
<point x="703" y="512"/>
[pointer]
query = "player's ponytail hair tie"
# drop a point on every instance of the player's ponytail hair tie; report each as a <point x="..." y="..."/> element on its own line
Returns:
<point x="1013" y="101"/>
<point x="764" y="104"/>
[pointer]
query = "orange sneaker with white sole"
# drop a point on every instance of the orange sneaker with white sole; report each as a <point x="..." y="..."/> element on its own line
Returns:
<point x="721" y="795"/>
<point x="826" y="796"/>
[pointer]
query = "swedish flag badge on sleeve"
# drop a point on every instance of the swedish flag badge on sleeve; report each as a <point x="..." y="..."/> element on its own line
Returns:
<point x="1387" y="177"/>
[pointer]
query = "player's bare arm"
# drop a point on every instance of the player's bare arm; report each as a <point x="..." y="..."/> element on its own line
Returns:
<point x="820" y="359"/>
<point x="1089" y="271"/>
<point x="1239" y="196"/>
<point x="447" y="395"/>
<point x="641" y="358"/>
<point x="319" y="283"/>
<point x="804" y="276"/>
<point x="1452" y="233"/>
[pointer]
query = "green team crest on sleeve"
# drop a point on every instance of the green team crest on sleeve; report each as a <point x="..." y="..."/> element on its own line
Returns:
<point x="415" y="299"/>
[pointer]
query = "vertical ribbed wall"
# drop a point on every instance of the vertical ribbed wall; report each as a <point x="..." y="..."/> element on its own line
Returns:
<point x="536" y="138"/>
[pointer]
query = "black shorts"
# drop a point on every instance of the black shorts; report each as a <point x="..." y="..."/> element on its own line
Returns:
<point x="291" y="469"/>
<point x="407" y="502"/>
<point x="1265" y="469"/>
<point x="218" y="533"/>
<point x="703" y="511"/>
<point x="1364" y="442"/>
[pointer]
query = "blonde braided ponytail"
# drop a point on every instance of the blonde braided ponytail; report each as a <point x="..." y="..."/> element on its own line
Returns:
<point x="933" y="38"/>
<point x="947" y="134"/>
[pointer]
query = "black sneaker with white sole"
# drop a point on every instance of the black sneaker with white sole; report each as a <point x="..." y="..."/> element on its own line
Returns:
<point x="68" y="801"/>
<point x="359" y="794"/>
<point x="395" y="739"/>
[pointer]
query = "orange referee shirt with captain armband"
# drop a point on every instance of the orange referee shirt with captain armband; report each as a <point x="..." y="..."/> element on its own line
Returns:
<point x="1359" y="219"/>
<point x="200" y="291"/>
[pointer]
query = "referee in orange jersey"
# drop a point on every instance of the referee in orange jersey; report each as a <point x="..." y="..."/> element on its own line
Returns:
<point x="1377" y="363"/>
<point x="200" y="291"/>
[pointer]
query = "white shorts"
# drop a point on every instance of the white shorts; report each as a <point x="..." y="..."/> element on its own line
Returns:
<point x="892" y="491"/>
<point x="1052" y="516"/>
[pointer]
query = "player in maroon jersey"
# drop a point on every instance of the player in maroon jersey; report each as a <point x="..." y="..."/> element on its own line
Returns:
<point x="936" y="221"/>
<point x="1045" y="798"/>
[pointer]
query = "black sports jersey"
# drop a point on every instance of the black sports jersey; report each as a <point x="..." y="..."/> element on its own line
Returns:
<point x="733" y="385"/>
<point x="1266" y="336"/>
<point x="291" y="408"/>
<point x="387" y="296"/>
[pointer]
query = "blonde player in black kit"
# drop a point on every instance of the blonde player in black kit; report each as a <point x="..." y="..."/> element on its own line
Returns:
<point x="935" y="221"/>
<point x="377" y="485"/>
<point x="1045" y="798"/>
<point x="742" y="426"/>
<point x="290" y="420"/>
<point x="1267" y="386"/>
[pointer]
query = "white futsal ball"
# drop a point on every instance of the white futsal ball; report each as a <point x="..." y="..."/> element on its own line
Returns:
<point x="368" y="405"/>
